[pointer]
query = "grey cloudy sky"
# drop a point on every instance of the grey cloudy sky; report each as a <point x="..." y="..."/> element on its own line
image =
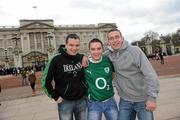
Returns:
<point x="133" y="17"/>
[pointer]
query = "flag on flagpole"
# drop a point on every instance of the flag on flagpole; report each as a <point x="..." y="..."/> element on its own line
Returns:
<point x="34" y="7"/>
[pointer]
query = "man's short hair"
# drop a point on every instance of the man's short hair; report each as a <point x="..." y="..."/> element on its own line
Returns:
<point x="112" y="30"/>
<point x="73" y="36"/>
<point x="95" y="40"/>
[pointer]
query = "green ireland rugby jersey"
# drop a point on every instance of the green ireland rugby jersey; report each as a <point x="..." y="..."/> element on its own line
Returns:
<point x="99" y="79"/>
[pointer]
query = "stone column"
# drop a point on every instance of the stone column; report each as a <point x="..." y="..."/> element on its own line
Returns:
<point x="149" y="49"/>
<point x="172" y="49"/>
<point x="164" y="50"/>
<point x="54" y="42"/>
<point x="42" y="42"/>
<point x="28" y="41"/>
<point x="100" y="34"/>
<point x="151" y="52"/>
<point x="163" y="46"/>
<point x="25" y="46"/>
<point x="22" y="44"/>
<point x="17" y="60"/>
<point x="35" y="41"/>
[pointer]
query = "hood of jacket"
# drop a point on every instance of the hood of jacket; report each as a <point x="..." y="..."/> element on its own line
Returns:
<point x="63" y="51"/>
<point x="124" y="46"/>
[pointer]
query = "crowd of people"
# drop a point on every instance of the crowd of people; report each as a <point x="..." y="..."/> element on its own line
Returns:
<point x="9" y="71"/>
<point x="157" y="56"/>
<point x="27" y="75"/>
<point x="18" y="70"/>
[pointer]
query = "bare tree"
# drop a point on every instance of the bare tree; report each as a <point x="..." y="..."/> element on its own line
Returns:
<point x="151" y="35"/>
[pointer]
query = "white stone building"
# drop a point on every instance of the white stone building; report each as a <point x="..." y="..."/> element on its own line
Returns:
<point x="34" y="41"/>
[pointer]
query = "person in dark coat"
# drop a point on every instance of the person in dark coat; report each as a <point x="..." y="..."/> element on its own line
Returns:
<point x="161" y="57"/>
<point x="32" y="80"/>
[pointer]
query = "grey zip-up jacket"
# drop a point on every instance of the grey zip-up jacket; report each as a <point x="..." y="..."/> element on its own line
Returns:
<point x="136" y="79"/>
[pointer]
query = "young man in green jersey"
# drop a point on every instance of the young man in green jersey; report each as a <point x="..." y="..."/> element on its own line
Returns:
<point x="99" y="78"/>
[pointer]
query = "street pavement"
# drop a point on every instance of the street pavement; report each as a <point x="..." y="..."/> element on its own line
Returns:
<point x="18" y="104"/>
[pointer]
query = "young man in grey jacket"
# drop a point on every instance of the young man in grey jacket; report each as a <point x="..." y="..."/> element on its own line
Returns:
<point x="136" y="79"/>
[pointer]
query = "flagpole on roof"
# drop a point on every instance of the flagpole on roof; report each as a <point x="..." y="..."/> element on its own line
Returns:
<point x="35" y="8"/>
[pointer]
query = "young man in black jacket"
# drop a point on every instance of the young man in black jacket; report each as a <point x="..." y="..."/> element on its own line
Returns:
<point x="69" y="90"/>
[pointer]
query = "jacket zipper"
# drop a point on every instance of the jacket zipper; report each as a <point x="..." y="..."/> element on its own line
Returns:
<point x="84" y="84"/>
<point x="66" y="89"/>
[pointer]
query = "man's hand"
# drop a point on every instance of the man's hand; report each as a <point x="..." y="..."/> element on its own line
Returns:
<point x="150" y="105"/>
<point x="59" y="100"/>
<point x="85" y="62"/>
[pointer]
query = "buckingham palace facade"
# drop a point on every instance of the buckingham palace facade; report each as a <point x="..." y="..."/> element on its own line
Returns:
<point x="35" y="41"/>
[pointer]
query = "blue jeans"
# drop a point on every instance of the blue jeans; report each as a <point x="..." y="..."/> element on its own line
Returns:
<point x="67" y="108"/>
<point x="127" y="110"/>
<point x="24" y="81"/>
<point x="108" y="107"/>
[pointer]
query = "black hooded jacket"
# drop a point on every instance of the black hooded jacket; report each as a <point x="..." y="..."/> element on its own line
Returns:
<point x="67" y="72"/>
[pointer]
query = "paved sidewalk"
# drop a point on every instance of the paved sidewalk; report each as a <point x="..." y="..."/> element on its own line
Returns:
<point x="17" y="93"/>
<point x="18" y="104"/>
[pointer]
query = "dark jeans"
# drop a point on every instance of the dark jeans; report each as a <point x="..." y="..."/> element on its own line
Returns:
<point x="67" y="108"/>
<point x="33" y="86"/>
<point x="24" y="81"/>
<point x="108" y="107"/>
<point x="127" y="109"/>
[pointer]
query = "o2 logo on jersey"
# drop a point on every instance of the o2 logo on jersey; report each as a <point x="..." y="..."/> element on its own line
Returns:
<point x="106" y="69"/>
<point x="103" y="85"/>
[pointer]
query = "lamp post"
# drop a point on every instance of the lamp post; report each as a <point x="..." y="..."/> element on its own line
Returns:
<point x="50" y="46"/>
<point x="16" y="48"/>
<point x="17" y="51"/>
